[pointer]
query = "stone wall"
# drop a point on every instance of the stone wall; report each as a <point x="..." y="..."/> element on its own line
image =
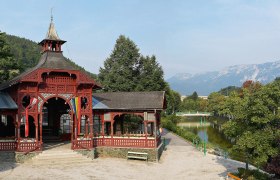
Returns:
<point x="119" y="152"/>
<point x="160" y="150"/>
<point x="88" y="153"/>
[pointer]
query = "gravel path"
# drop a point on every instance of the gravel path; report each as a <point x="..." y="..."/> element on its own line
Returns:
<point x="179" y="161"/>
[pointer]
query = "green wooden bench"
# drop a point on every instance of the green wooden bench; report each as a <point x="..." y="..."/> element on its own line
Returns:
<point x="137" y="155"/>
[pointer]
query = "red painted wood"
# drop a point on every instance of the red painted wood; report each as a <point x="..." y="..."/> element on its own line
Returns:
<point x="8" y="146"/>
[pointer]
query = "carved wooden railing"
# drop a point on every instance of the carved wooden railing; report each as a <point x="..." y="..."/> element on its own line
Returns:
<point x="82" y="144"/>
<point x="8" y="146"/>
<point x="124" y="142"/>
<point x="27" y="146"/>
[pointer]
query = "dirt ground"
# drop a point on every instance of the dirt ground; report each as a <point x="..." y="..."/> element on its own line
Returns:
<point x="179" y="161"/>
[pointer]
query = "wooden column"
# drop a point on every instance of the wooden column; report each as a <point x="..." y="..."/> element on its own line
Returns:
<point x="36" y="129"/>
<point x="112" y="129"/>
<point x="86" y="127"/>
<point x="91" y="128"/>
<point x="72" y="129"/>
<point x="41" y="127"/>
<point x="155" y="129"/>
<point x="56" y="47"/>
<point x="146" y="133"/>
<point x="103" y="128"/>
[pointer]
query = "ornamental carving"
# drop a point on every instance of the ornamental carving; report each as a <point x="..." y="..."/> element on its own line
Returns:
<point x="40" y="102"/>
<point x="47" y="95"/>
<point x="33" y="76"/>
<point x="66" y="96"/>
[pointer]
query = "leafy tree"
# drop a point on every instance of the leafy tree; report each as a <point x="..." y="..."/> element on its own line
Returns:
<point x="150" y="75"/>
<point x="121" y="69"/>
<point x="127" y="70"/>
<point x="255" y="124"/>
<point x="202" y="104"/>
<point x="173" y="99"/>
<point x="9" y="68"/>
<point x="189" y="104"/>
<point x="26" y="52"/>
<point x="228" y="90"/>
<point x="216" y="102"/>
<point x="251" y="86"/>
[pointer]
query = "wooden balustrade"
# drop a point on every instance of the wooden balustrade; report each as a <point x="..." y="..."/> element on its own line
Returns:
<point x="27" y="146"/>
<point x="82" y="144"/>
<point x="8" y="146"/>
<point x="124" y="142"/>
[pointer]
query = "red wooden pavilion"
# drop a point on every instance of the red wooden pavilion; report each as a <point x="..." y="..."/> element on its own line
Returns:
<point x="37" y="107"/>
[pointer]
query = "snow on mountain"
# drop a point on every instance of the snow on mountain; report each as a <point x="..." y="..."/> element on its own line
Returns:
<point x="205" y="83"/>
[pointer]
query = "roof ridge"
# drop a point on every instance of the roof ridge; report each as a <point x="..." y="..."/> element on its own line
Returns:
<point x="125" y="92"/>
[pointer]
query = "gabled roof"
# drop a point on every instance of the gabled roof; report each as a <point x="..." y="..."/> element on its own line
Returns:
<point x="6" y="102"/>
<point x="129" y="100"/>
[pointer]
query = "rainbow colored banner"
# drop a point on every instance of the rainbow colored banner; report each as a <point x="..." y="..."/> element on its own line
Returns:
<point x="76" y="105"/>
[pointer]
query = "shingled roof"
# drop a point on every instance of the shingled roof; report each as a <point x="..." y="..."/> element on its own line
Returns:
<point x="129" y="100"/>
<point x="48" y="60"/>
<point x="6" y="102"/>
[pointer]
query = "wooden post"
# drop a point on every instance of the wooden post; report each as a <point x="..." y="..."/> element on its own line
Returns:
<point x="155" y="128"/>
<point x="41" y="126"/>
<point x="112" y="129"/>
<point x="146" y="132"/>
<point x="36" y="128"/>
<point x="72" y="129"/>
<point x="103" y="128"/>
<point x="91" y="128"/>
<point x="86" y="127"/>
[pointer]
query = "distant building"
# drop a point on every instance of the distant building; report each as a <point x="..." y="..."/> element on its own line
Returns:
<point x="202" y="97"/>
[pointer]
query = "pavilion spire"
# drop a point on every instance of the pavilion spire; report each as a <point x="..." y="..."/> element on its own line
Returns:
<point x="52" y="42"/>
<point x="52" y="34"/>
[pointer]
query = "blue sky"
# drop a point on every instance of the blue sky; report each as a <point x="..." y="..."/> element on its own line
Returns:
<point x="186" y="36"/>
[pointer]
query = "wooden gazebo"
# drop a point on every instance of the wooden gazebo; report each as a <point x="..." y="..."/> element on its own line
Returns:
<point x="54" y="101"/>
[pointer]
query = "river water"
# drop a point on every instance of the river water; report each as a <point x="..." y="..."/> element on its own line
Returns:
<point x="207" y="131"/>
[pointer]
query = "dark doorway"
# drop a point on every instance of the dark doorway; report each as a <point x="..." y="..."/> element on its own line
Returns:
<point x="56" y="120"/>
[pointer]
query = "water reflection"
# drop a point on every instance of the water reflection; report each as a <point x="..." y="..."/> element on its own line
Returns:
<point x="208" y="132"/>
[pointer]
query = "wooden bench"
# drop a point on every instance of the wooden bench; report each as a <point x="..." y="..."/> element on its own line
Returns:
<point x="137" y="155"/>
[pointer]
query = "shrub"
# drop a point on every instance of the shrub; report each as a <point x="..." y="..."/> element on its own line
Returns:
<point x="252" y="174"/>
<point x="169" y="122"/>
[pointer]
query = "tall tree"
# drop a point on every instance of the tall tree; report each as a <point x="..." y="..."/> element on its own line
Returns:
<point x="121" y="69"/>
<point x="150" y="75"/>
<point x="194" y="96"/>
<point x="127" y="70"/>
<point x="9" y="68"/>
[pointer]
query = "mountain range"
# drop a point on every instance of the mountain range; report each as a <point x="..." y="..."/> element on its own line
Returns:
<point x="205" y="83"/>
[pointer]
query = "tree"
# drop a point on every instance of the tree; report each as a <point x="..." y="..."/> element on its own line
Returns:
<point x="121" y="69"/>
<point x="194" y="96"/>
<point x="127" y="70"/>
<point x="173" y="99"/>
<point x="255" y="124"/>
<point x="150" y="75"/>
<point x="189" y="104"/>
<point x="216" y="102"/>
<point x="228" y="90"/>
<point x="9" y="68"/>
